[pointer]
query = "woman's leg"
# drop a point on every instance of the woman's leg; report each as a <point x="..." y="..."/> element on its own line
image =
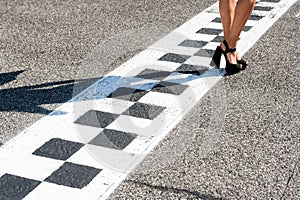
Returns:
<point x="227" y="10"/>
<point x="243" y="11"/>
<point x="235" y="24"/>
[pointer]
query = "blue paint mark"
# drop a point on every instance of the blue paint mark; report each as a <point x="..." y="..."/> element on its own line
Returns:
<point x="143" y="86"/>
<point x="107" y="85"/>
<point x="57" y="113"/>
<point x="183" y="80"/>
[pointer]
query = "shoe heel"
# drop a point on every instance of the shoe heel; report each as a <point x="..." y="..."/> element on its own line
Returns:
<point x="216" y="59"/>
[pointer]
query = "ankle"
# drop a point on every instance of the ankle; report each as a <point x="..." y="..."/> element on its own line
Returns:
<point x="231" y="44"/>
<point x="225" y="45"/>
<point x="222" y="46"/>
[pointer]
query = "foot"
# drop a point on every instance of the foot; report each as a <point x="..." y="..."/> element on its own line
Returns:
<point x="241" y="61"/>
<point x="237" y="58"/>
<point x="233" y="57"/>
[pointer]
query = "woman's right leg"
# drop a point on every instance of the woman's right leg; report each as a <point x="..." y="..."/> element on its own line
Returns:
<point x="234" y="18"/>
<point x="227" y="10"/>
<point x="243" y="11"/>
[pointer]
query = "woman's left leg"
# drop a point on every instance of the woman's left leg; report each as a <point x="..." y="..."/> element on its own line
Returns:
<point x="243" y="11"/>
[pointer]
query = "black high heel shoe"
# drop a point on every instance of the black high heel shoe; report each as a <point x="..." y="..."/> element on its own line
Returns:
<point x="244" y="63"/>
<point x="230" y="67"/>
<point x="216" y="59"/>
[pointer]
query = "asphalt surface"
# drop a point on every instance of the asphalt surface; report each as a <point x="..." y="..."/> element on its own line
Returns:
<point x="245" y="132"/>
<point x="47" y="48"/>
<point x="253" y="153"/>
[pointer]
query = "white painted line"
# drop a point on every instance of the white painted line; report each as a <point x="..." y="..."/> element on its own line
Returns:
<point x="16" y="156"/>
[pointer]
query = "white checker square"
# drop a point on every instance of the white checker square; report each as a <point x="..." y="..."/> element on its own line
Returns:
<point x="260" y="13"/>
<point x="140" y="126"/>
<point x="110" y="105"/>
<point x="58" y="192"/>
<point x="86" y="133"/>
<point x="206" y="37"/>
<point x="116" y="160"/>
<point x="178" y="78"/>
<point x="199" y="60"/>
<point x="251" y="23"/>
<point x="173" y="103"/>
<point x="214" y="25"/>
<point x="85" y="156"/>
<point x="31" y="166"/>
<point x="211" y="45"/>
<point x="268" y="4"/>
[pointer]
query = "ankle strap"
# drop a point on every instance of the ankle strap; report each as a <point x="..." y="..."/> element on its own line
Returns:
<point x="228" y="50"/>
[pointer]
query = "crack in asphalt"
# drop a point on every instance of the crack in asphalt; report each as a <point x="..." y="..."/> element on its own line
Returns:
<point x="290" y="177"/>
<point x="178" y="190"/>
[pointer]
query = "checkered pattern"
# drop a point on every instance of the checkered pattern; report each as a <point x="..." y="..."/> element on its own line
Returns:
<point x="158" y="81"/>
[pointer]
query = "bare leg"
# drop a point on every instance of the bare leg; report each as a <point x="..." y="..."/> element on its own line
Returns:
<point x="227" y="10"/>
<point x="242" y="11"/>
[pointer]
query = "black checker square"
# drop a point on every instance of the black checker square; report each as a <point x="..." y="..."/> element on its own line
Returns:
<point x="59" y="149"/>
<point x="142" y="110"/>
<point x="193" y="43"/>
<point x="255" y="17"/>
<point x="263" y="8"/>
<point x="205" y="53"/>
<point x="153" y="74"/>
<point x="218" y="39"/>
<point x="247" y="28"/>
<point x="96" y="118"/>
<point x="172" y="57"/>
<point x="113" y="139"/>
<point x="169" y="88"/>
<point x="16" y="187"/>
<point x="128" y="94"/>
<point x="191" y="69"/>
<point x="210" y="31"/>
<point x="73" y="175"/>
<point x="217" y="20"/>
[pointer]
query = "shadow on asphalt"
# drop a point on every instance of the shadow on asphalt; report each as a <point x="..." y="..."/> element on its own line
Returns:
<point x="177" y="190"/>
<point x="10" y="76"/>
<point x="31" y="98"/>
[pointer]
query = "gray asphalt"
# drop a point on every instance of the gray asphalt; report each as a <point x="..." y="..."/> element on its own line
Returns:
<point x="45" y="45"/>
<point x="253" y="151"/>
